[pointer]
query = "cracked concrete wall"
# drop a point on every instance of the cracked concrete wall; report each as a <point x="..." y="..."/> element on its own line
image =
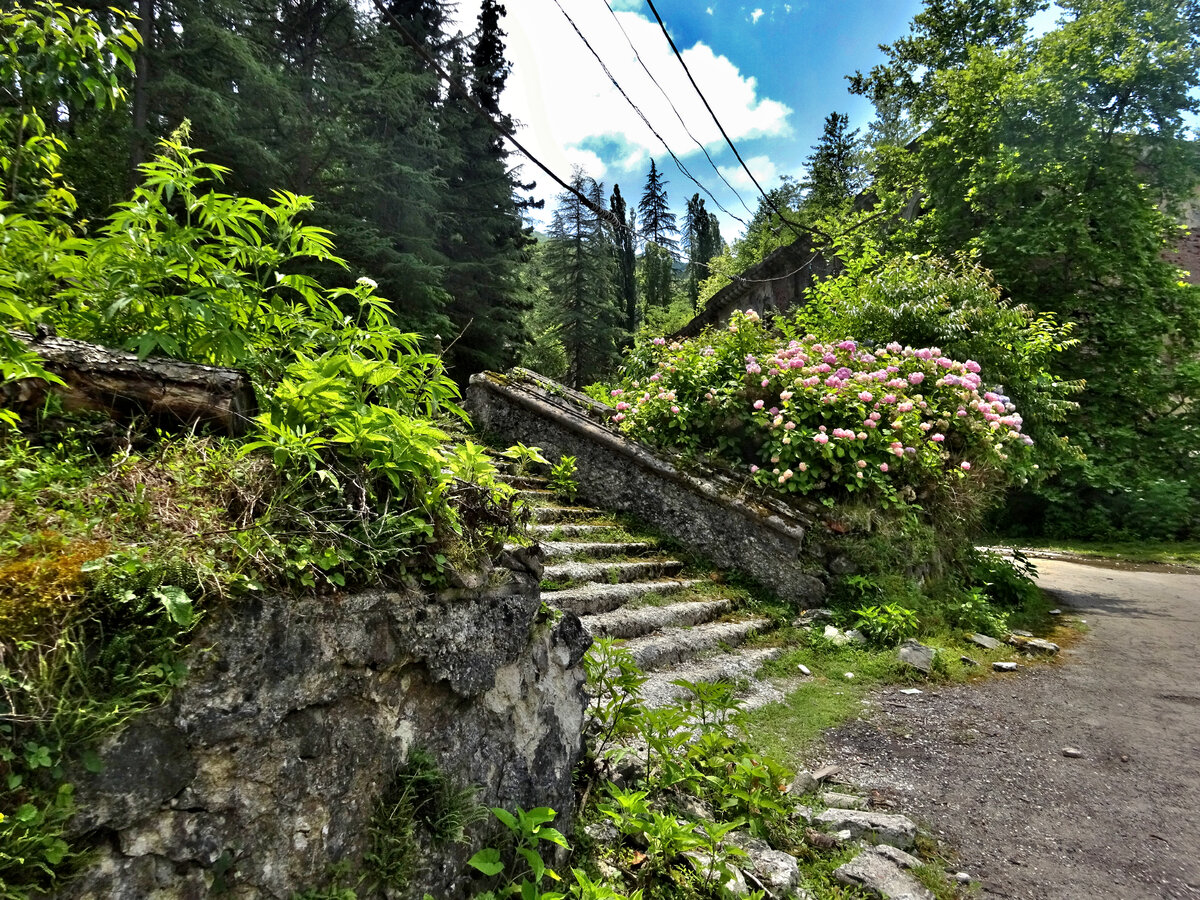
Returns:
<point x="264" y="768"/>
<point x="781" y="547"/>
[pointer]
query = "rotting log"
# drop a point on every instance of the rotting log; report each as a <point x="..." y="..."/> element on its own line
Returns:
<point x="173" y="395"/>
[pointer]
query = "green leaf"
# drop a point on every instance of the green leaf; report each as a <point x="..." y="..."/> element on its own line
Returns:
<point x="177" y="604"/>
<point x="553" y="835"/>
<point x="487" y="861"/>
<point x="502" y="814"/>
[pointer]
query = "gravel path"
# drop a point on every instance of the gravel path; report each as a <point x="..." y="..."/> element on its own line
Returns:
<point x="983" y="766"/>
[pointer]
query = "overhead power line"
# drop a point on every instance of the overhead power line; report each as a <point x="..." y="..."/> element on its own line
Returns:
<point x="605" y="215"/>
<point x="794" y="226"/>
<point x="504" y="132"/>
<point x="667" y="97"/>
<point x="678" y="162"/>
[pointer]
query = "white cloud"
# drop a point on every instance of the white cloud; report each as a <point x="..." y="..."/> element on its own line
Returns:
<point x="570" y="111"/>
<point x="756" y="15"/>
<point x="709" y="10"/>
<point x="764" y="171"/>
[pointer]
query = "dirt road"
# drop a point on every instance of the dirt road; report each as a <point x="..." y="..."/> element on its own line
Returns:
<point x="983" y="766"/>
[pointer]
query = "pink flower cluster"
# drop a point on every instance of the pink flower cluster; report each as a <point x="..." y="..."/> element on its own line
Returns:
<point x="825" y="413"/>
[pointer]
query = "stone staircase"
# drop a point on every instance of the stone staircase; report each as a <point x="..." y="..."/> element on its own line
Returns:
<point x="672" y="618"/>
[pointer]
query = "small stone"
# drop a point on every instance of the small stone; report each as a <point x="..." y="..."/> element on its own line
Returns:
<point x="1056" y="612"/>
<point x="833" y="633"/>
<point x="911" y="692"/>
<point x="962" y="877"/>
<point x="881" y="877"/>
<point x="804" y="670"/>
<point x="898" y="856"/>
<point x="777" y="871"/>
<point x="608" y="870"/>
<point x="844" y="836"/>
<point x="694" y="809"/>
<point x="802" y="812"/>
<point x="982" y="640"/>
<point x="812" y="617"/>
<point x="885" y="828"/>
<point x="1016" y="632"/>
<point x="1037" y="645"/>
<point x="1004" y="666"/>
<point x="916" y="655"/>
<point x="803" y="783"/>
<point x="849" y="676"/>
<point x="602" y="833"/>
<point x="746" y="842"/>
<point x="843" y="801"/>
<point x="825" y="773"/>
<point x="854" y="636"/>
<point x="820" y="840"/>
<point x="967" y="661"/>
<point x="1072" y="752"/>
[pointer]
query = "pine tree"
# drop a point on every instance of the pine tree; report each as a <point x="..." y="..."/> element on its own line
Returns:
<point x="658" y="222"/>
<point x="835" y="169"/>
<point x="581" y="277"/>
<point x="702" y="241"/>
<point x="483" y="237"/>
<point x="626" y="258"/>
<point x="658" y="234"/>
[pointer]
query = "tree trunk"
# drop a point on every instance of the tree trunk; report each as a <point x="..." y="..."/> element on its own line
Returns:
<point x="141" y="80"/>
<point x="174" y="395"/>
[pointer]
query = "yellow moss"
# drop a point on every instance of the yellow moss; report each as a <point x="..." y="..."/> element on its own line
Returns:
<point x="40" y="591"/>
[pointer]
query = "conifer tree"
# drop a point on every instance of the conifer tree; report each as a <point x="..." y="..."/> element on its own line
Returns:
<point x="580" y="267"/>
<point x="484" y="238"/>
<point x="835" y="170"/>
<point x="702" y="241"/>
<point x="626" y="257"/>
<point x="658" y="235"/>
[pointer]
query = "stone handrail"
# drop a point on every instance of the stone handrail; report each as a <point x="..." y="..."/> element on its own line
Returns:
<point x="705" y="510"/>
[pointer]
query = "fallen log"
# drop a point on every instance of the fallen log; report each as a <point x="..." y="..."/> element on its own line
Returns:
<point x="173" y="395"/>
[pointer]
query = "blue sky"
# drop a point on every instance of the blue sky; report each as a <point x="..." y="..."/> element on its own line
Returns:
<point x="771" y="70"/>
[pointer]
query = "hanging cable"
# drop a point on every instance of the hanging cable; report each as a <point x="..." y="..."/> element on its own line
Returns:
<point x="605" y="215"/>
<point x="795" y="227"/>
<point x="505" y="133"/>
<point x="667" y="97"/>
<point x="612" y="78"/>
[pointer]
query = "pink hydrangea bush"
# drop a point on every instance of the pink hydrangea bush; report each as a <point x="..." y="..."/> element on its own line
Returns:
<point x="804" y="416"/>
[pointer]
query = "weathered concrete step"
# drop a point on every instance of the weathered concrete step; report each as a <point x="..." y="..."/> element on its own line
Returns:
<point x="567" y="531"/>
<point x="613" y="572"/>
<point x="595" y="549"/>
<point x="565" y="513"/>
<point x="632" y="623"/>
<point x="589" y="599"/>
<point x="735" y="668"/>
<point x="674" y="645"/>
<point x="536" y="495"/>
<point x="525" y="481"/>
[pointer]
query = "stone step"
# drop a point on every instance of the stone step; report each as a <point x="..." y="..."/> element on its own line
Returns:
<point x="674" y="645"/>
<point x="594" y="549"/>
<point x="738" y="668"/>
<point x="565" y="513"/>
<point x="632" y="623"/>
<point x="589" y="599"/>
<point x="613" y="572"/>
<point x="567" y="531"/>
<point x="523" y="481"/>
<point x="536" y="495"/>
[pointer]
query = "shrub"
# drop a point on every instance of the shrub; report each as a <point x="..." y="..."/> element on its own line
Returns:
<point x="799" y="416"/>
